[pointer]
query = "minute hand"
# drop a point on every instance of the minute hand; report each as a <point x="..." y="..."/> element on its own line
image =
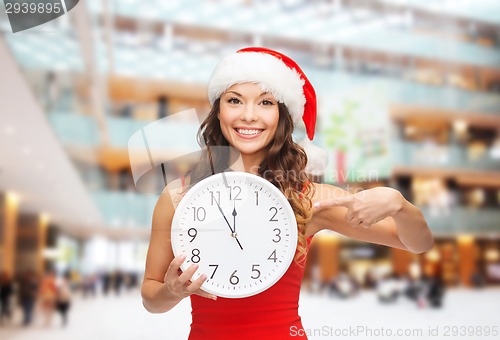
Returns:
<point x="229" y="225"/>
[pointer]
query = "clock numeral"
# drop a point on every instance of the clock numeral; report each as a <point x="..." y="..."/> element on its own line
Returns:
<point x="192" y="232"/>
<point x="255" y="270"/>
<point x="237" y="189"/>
<point x="215" y="199"/>
<point x="273" y="256"/>
<point x="233" y="279"/>
<point x="277" y="235"/>
<point x="199" y="214"/>
<point x="256" y="197"/>
<point x="216" y="267"/>
<point x="196" y="255"/>
<point x="275" y="213"/>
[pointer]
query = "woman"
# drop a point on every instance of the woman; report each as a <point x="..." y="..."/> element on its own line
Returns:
<point x="63" y="297"/>
<point x="48" y="293"/>
<point x="28" y="291"/>
<point x="6" y="291"/>
<point x="257" y="97"/>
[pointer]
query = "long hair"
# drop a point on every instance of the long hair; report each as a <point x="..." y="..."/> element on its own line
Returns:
<point x="284" y="166"/>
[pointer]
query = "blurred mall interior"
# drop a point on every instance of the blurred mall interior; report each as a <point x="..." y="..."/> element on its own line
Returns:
<point x="408" y="97"/>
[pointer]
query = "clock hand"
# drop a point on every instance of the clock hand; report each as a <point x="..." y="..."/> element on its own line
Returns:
<point x="238" y="242"/>
<point x="234" y="216"/>
<point x="229" y="225"/>
<point x="234" y="224"/>
<point x="220" y="209"/>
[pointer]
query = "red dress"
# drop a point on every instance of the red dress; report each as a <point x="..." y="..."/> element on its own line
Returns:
<point x="272" y="314"/>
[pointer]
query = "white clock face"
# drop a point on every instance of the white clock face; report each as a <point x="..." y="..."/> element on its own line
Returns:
<point x="241" y="232"/>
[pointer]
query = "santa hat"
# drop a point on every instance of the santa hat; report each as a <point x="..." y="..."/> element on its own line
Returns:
<point x="280" y="75"/>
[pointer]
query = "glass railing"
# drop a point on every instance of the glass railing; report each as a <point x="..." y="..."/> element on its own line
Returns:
<point x="462" y="219"/>
<point x="82" y="130"/>
<point x="441" y="156"/>
<point x="406" y="92"/>
<point x="482" y="10"/>
<point x="123" y="209"/>
<point x="75" y="129"/>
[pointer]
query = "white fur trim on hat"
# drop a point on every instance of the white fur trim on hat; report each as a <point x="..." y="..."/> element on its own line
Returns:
<point x="317" y="158"/>
<point x="272" y="75"/>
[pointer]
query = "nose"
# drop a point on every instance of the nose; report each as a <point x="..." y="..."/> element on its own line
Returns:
<point x="249" y="114"/>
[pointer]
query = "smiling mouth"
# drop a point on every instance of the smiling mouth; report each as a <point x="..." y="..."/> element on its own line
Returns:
<point x="249" y="132"/>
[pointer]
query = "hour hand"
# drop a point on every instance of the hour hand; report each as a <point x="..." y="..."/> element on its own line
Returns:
<point x="234" y="216"/>
<point x="234" y="225"/>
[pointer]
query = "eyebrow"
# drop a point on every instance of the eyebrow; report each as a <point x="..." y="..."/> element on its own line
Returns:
<point x="239" y="94"/>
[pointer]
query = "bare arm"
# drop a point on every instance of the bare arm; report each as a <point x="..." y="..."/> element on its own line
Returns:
<point x="164" y="286"/>
<point x="379" y="215"/>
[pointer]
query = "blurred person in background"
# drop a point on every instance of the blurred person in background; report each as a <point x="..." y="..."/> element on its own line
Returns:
<point x="63" y="300"/>
<point x="75" y="280"/>
<point x="48" y="295"/>
<point x="28" y="292"/>
<point x="435" y="289"/>
<point x="389" y="288"/>
<point x="6" y="291"/>
<point x="89" y="283"/>
<point x="118" y="281"/>
<point x="106" y="282"/>
<point x="316" y="284"/>
<point x="344" y="285"/>
<point x="262" y="92"/>
<point x="52" y="91"/>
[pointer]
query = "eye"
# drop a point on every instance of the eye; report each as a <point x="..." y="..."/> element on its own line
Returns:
<point x="267" y="102"/>
<point x="233" y="100"/>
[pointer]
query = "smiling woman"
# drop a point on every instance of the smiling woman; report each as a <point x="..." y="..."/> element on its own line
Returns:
<point x="248" y="120"/>
<point x="257" y="97"/>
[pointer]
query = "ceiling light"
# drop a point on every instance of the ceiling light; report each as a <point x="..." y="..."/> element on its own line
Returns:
<point x="13" y="197"/>
<point x="44" y="218"/>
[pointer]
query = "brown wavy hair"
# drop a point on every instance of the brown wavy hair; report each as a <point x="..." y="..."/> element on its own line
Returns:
<point x="284" y="166"/>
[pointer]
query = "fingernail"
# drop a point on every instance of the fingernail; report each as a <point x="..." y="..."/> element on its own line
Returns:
<point x="214" y="298"/>
<point x="203" y="276"/>
<point x="183" y="257"/>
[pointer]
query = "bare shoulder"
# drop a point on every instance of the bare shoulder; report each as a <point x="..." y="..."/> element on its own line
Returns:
<point x="168" y="201"/>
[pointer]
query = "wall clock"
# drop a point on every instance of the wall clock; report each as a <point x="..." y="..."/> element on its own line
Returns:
<point x="241" y="231"/>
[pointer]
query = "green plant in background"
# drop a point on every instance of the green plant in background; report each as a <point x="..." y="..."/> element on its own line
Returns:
<point x="341" y="134"/>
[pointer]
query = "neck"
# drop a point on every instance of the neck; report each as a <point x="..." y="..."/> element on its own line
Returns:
<point x="246" y="163"/>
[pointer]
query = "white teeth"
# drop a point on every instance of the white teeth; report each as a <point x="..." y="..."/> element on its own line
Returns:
<point x="248" y="132"/>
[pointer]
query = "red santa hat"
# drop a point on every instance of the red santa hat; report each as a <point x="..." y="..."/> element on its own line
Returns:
<point x="280" y="75"/>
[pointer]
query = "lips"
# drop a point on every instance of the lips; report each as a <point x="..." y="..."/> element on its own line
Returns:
<point x="247" y="133"/>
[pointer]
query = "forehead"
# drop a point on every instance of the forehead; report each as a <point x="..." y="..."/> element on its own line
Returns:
<point x="250" y="89"/>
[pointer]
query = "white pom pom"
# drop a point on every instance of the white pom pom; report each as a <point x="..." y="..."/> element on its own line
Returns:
<point x="317" y="158"/>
